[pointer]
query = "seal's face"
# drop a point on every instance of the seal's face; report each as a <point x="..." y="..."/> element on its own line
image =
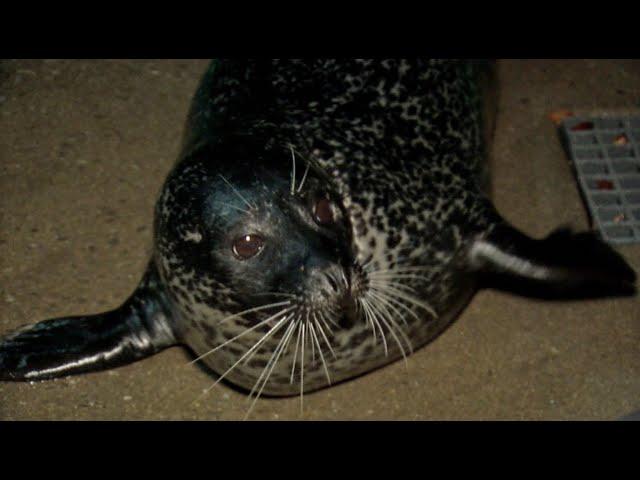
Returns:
<point x="244" y="235"/>
<point x="260" y="264"/>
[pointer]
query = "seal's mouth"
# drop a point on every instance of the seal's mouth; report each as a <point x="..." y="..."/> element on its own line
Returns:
<point x="349" y="309"/>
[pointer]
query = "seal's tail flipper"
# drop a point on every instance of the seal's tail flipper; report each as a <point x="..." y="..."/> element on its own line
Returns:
<point x="562" y="265"/>
<point x="67" y="346"/>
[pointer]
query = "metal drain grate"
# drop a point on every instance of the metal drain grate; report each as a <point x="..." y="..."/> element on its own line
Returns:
<point x="606" y="155"/>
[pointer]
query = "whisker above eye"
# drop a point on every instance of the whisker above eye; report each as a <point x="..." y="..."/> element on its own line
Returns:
<point x="304" y="177"/>
<point x="293" y="173"/>
<point x="235" y="208"/>
<point x="246" y="202"/>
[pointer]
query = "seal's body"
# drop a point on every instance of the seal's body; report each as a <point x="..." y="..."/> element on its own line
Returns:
<point x="325" y="217"/>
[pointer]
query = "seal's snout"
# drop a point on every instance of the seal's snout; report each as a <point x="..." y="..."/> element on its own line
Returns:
<point x="337" y="288"/>
<point x="329" y="282"/>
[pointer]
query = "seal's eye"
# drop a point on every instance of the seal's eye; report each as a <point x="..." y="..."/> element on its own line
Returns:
<point x="323" y="212"/>
<point x="247" y="246"/>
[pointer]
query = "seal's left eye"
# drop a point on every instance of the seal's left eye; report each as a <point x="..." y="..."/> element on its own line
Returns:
<point x="247" y="246"/>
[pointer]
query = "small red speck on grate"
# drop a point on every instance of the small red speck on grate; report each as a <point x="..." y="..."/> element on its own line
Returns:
<point x="604" y="185"/>
<point x="582" y="127"/>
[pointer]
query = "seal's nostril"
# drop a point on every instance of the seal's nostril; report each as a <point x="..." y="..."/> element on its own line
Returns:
<point x="332" y="282"/>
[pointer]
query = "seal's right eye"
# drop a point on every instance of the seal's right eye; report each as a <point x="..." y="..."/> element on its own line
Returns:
<point x="323" y="212"/>
<point x="247" y="246"/>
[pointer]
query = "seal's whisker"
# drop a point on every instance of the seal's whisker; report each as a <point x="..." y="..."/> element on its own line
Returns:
<point x="235" y="208"/>
<point x="391" y="298"/>
<point x="386" y="302"/>
<point x="279" y="294"/>
<point x="391" y="275"/>
<point x="244" y="332"/>
<point x="295" y="354"/>
<point x="400" y="286"/>
<point x="317" y="342"/>
<point x="411" y="299"/>
<point x="381" y="321"/>
<point x="254" y="309"/>
<point x="375" y="323"/>
<point x="313" y="347"/>
<point x="326" y="324"/>
<point x="366" y="265"/>
<point x="246" y="202"/>
<point x="293" y="172"/>
<point x="388" y="321"/>
<point x="271" y="365"/>
<point x="304" y="177"/>
<point x="331" y="313"/>
<point x="248" y="353"/>
<point x="333" y="278"/>
<point x="332" y="322"/>
<point x="326" y="340"/>
<point x="248" y="359"/>
<point x="368" y="319"/>
<point x="302" y="371"/>
<point x="344" y="279"/>
<point x="387" y="284"/>
<point x="400" y="270"/>
<point x="375" y="315"/>
<point x="384" y="306"/>
<point x="289" y="339"/>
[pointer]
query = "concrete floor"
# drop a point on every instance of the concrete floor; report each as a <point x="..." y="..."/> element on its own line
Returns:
<point x="84" y="149"/>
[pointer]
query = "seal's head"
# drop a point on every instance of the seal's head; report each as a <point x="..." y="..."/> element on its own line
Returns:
<point x="255" y="248"/>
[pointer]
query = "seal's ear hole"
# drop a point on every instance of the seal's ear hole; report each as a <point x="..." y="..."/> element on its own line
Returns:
<point x="247" y="246"/>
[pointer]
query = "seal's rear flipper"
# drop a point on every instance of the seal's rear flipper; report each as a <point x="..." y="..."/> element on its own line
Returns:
<point x="560" y="266"/>
<point x="67" y="346"/>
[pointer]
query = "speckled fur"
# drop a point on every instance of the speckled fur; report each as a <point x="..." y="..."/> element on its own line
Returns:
<point x="401" y="143"/>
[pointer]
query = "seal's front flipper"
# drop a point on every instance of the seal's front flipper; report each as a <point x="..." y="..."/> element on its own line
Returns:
<point x="562" y="265"/>
<point x="67" y="346"/>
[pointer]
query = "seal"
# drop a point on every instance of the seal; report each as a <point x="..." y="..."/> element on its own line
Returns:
<point x="324" y="218"/>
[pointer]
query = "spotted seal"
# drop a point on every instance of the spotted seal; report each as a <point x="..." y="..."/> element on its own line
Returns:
<point x="324" y="218"/>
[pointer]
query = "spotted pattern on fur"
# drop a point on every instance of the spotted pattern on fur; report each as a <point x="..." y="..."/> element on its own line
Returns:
<point x="400" y="141"/>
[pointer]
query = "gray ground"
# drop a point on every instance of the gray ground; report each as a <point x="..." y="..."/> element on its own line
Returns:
<point x="84" y="149"/>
